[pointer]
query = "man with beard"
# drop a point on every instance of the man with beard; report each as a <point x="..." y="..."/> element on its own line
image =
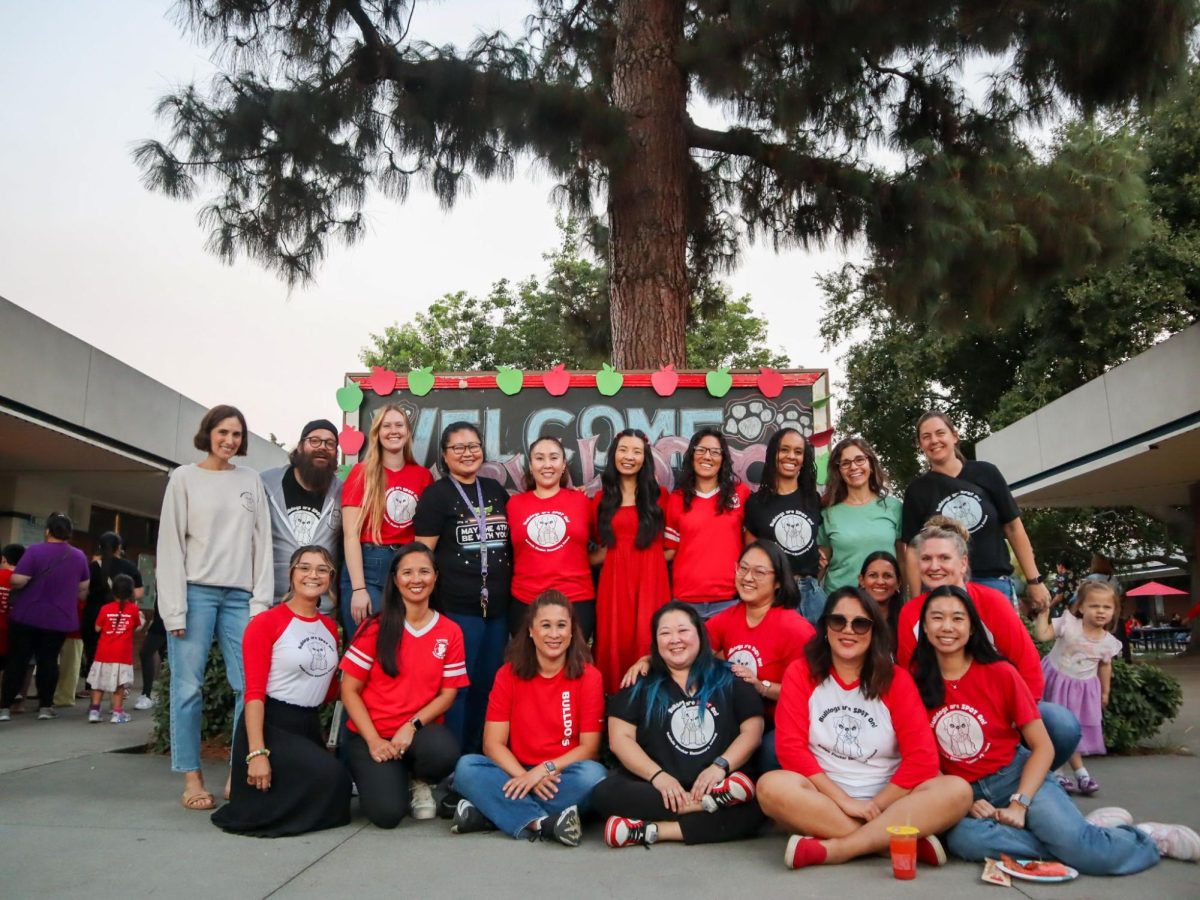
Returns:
<point x="305" y="502"/>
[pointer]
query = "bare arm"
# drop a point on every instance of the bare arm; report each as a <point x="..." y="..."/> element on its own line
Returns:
<point x="352" y="688"/>
<point x="495" y="748"/>
<point x="360" y="600"/>
<point x="83" y="587"/>
<point x="428" y="713"/>
<point x="1105" y="675"/>
<point x="258" y="770"/>
<point x="1042" y="629"/>
<point x="1014" y="531"/>
<point x="19" y="581"/>
<point x="1032" y="775"/>
<point x="912" y="567"/>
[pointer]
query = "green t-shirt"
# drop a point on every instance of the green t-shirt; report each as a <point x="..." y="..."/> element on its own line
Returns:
<point x="855" y="532"/>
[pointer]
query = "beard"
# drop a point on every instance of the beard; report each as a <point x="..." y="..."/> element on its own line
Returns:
<point x="317" y="476"/>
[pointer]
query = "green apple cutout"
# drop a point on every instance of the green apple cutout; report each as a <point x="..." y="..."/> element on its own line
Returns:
<point x="343" y="471"/>
<point x="718" y="382"/>
<point x="420" y="381"/>
<point x="609" y="381"/>
<point x="822" y="463"/>
<point x="350" y="397"/>
<point x="510" y="380"/>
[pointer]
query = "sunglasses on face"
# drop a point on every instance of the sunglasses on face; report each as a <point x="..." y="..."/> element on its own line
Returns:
<point x="838" y="622"/>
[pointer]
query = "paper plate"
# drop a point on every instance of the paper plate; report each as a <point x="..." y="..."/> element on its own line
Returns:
<point x="1071" y="875"/>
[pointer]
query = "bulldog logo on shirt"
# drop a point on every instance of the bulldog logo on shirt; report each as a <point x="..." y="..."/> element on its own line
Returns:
<point x="690" y="732"/>
<point x="303" y="523"/>
<point x="321" y="656"/>
<point x="440" y="646"/>
<point x="959" y="732"/>
<point x="400" y="506"/>
<point x="745" y="655"/>
<point x="546" y="530"/>
<point x="793" y="532"/>
<point x="964" y="507"/>
<point x="847" y="744"/>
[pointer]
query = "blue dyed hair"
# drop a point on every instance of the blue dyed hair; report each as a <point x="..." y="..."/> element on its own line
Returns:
<point x="708" y="675"/>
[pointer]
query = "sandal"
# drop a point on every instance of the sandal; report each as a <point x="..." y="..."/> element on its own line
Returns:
<point x="198" y="800"/>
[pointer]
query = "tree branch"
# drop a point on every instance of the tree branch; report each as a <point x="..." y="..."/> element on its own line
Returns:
<point x="783" y="160"/>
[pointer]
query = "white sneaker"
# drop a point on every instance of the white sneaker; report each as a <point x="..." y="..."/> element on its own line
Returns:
<point x="1109" y="817"/>
<point x="423" y="806"/>
<point x="144" y="702"/>
<point x="47" y="712"/>
<point x="5" y="715"/>
<point x="1174" y="841"/>
<point x="93" y="715"/>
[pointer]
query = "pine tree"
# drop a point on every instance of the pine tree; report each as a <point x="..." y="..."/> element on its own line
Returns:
<point x="321" y="101"/>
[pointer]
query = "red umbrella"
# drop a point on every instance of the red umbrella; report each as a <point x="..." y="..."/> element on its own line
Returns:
<point x="1153" y="589"/>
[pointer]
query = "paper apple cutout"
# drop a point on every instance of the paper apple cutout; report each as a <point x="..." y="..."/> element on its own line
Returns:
<point x="343" y="471"/>
<point x="821" y="438"/>
<point x="350" y="397"/>
<point x="556" y="381"/>
<point x="718" y="382"/>
<point x="770" y="382"/>
<point x="822" y="463"/>
<point x="510" y="380"/>
<point x="420" y="381"/>
<point x="351" y="440"/>
<point x="664" y="381"/>
<point x="609" y="381"/>
<point x="382" y="381"/>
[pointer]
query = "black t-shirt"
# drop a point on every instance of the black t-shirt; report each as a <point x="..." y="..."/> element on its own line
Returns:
<point x="303" y="508"/>
<point x="789" y="521"/>
<point x="99" y="587"/>
<point x="979" y="498"/>
<point x="441" y="513"/>
<point x="681" y="741"/>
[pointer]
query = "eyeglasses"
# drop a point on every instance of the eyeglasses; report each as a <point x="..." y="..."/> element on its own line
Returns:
<point x="463" y="449"/>
<point x="713" y="452"/>
<point x="859" y="462"/>
<point x="757" y="572"/>
<point x="309" y="568"/>
<point x="838" y="622"/>
<point x="321" y="443"/>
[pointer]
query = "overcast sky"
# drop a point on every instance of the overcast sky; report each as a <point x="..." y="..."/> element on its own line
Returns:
<point x="86" y="247"/>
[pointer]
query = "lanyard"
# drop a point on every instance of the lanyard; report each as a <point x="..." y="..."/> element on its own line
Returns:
<point x="481" y="521"/>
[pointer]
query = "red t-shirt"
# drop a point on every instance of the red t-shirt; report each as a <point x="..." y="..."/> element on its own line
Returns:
<point x="115" y="644"/>
<point x="550" y="544"/>
<point x="290" y="657"/>
<point x="1004" y="626"/>
<point x="977" y="725"/>
<point x="546" y="716"/>
<point x="404" y="489"/>
<point x="707" y="545"/>
<point x="428" y="660"/>
<point x="767" y="649"/>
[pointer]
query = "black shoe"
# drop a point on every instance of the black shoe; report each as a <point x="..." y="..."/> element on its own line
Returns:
<point x="566" y="828"/>
<point x="468" y="819"/>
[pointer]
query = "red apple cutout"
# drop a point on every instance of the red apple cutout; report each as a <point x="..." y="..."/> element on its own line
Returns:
<point x="351" y="440"/>
<point x="556" y="381"/>
<point x="821" y="438"/>
<point x="664" y="381"/>
<point x="382" y="381"/>
<point x="770" y="382"/>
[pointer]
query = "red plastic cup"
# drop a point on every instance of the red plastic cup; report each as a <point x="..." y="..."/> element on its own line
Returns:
<point x="902" y="841"/>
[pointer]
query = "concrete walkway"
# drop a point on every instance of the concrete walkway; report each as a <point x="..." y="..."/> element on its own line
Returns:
<point x="79" y="819"/>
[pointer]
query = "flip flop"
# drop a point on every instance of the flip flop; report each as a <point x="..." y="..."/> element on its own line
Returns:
<point x="199" y="800"/>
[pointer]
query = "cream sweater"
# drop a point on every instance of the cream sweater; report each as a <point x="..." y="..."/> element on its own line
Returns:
<point x="215" y="530"/>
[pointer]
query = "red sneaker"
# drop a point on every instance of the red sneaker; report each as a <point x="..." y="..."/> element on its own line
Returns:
<point x="930" y="851"/>
<point x="622" y="832"/>
<point x="732" y="790"/>
<point x="803" y="851"/>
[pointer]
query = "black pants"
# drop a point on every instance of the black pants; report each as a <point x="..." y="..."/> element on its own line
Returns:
<point x="383" y="787"/>
<point x="24" y="643"/>
<point x="622" y="794"/>
<point x="584" y="610"/>
<point x="154" y="645"/>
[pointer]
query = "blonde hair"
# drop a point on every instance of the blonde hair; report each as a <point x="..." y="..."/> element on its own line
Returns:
<point x="945" y="529"/>
<point x="374" y="474"/>
<point x="938" y="414"/>
<point x="300" y="553"/>
<point x="1086" y="589"/>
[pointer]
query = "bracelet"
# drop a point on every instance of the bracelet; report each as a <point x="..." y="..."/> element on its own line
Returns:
<point x="253" y="753"/>
<point x="655" y="775"/>
<point x="355" y="590"/>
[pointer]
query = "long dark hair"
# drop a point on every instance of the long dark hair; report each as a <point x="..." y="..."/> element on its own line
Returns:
<point x="836" y="489"/>
<point x="925" y="669"/>
<point x="649" y="513"/>
<point x="521" y="653"/>
<point x="122" y="590"/>
<point x="726" y="480"/>
<point x="528" y="482"/>
<point x="390" y="618"/>
<point x="876" y="675"/>
<point x="110" y="546"/>
<point x="787" y="594"/>
<point x="892" y="613"/>
<point x="708" y="674"/>
<point x="808" y="468"/>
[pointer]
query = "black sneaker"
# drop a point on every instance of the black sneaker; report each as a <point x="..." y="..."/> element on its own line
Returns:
<point x="468" y="819"/>
<point x="566" y="828"/>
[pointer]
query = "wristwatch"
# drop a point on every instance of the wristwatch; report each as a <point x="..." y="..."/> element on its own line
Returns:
<point x="417" y="724"/>
<point x="766" y="686"/>
<point x="551" y="768"/>
<point x="1041" y="579"/>
<point x="1020" y="798"/>
<point x="721" y="763"/>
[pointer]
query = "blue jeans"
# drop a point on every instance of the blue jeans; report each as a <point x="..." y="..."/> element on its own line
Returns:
<point x="482" y="782"/>
<point x="812" y="598"/>
<point x="210" y="610"/>
<point x="765" y="757"/>
<point x="375" y="562"/>
<point x="708" y="609"/>
<point x="484" y="641"/>
<point x="1063" y="728"/>
<point x="1054" y="829"/>
<point x="1001" y="583"/>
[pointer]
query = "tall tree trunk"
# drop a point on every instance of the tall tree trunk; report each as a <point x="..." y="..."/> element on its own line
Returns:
<point x="647" y="204"/>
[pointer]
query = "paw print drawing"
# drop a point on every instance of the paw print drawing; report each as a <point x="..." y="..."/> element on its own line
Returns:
<point x="748" y="419"/>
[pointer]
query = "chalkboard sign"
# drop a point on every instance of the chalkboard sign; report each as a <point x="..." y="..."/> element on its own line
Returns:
<point x="586" y="420"/>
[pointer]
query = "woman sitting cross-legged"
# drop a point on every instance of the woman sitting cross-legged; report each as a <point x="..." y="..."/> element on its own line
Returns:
<point x="542" y="734"/>
<point x="981" y="709"/>
<point x="399" y="675"/>
<point x="856" y="751"/>
<point x="683" y="734"/>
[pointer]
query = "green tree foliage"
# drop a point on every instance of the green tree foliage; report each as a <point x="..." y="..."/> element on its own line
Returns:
<point x="321" y="101"/>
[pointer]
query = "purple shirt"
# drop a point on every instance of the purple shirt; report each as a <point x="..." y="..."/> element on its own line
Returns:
<point x="51" y="598"/>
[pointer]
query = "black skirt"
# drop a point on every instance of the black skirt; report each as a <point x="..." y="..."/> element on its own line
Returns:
<point x="310" y="788"/>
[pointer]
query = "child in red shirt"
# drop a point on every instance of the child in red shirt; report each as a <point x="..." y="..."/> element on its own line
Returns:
<point x="112" y="669"/>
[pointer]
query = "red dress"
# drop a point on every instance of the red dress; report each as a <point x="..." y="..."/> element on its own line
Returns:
<point x="633" y="585"/>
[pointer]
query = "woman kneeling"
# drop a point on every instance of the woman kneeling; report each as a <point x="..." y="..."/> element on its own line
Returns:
<point x="856" y="751"/>
<point x="683" y="734"/>
<point x="542" y="734"/>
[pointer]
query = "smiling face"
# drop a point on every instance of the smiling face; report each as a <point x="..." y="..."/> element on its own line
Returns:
<point x="629" y="456"/>
<point x="845" y="644"/>
<point x="946" y="625"/>
<point x="311" y="576"/>
<point x="416" y="577"/>
<point x="755" y="579"/>
<point x="937" y="440"/>
<point x="790" y="456"/>
<point x="941" y="563"/>
<point x="678" y="641"/>
<point x="463" y="454"/>
<point x="551" y="633"/>
<point x="706" y="461"/>
<point x="226" y="439"/>
<point x="854" y="465"/>
<point x="879" y="581"/>
<point x="393" y="432"/>
<point x="547" y="464"/>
